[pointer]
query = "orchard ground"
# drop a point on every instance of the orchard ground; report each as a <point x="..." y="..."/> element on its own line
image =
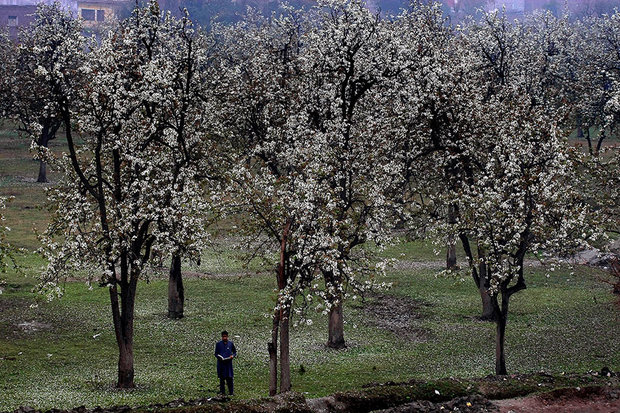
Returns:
<point x="63" y="354"/>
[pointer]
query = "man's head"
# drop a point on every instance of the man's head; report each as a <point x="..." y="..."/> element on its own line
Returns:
<point x="224" y="336"/>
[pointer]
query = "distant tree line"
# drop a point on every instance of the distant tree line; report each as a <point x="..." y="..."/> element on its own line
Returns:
<point x="319" y="132"/>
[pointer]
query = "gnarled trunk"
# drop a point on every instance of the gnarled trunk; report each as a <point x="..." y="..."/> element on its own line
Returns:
<point x="336" y="327"/>
<point x="176" y="296"/>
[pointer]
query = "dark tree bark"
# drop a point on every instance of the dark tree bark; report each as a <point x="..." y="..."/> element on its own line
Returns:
<point x="500" y="338"/>
<point x="599" y="142"/>
<point x="281" y="326"/>
<point x="451" y="248"/>
<point x="48" y="133"/>
<point x="481" y="279"/>
<point x="176" y="296"/>
<point x="272" y="347"/>
<point x="285" y="361"/>
<point x="42" y="178"/>
<point x="489" y="312"/>
<point x="502" y="317"/>
<point x="589" y="140"/>
<point x="123" y="316"/>
<point x="336" y="327"/>
<point x="451" y="254"/>
<point x="579" y="123"/>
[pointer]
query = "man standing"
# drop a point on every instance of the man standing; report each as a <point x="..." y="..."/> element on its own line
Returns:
<point x="225" y="351"/>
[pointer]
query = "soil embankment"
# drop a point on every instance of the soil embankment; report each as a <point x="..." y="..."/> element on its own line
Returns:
<point x="597" y="392"/>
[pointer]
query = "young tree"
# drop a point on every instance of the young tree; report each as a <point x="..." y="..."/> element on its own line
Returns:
<point x="51" y="43"/>
<point x="130" y="191"/>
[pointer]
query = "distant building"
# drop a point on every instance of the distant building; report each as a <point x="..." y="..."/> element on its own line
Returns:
<point x="94" y="12"/>
<point x="12" y="17"/>
<point x="20" y="13"/>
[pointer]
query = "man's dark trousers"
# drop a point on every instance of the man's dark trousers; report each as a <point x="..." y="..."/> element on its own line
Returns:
<point x="229" y="382"/>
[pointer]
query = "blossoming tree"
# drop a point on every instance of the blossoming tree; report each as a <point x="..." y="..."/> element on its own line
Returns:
<point x="130" y="191"/>
<point x="259" y="79"/>
<point x="52" y="41"/>
<point x="352" y="65"/>
<point x="302" y="101"/>
<point x="492" y="137"/>
<point x="533" y="57"/>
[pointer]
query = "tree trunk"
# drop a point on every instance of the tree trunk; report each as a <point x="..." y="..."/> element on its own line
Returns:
<point x="43" y="141"/>
<point x="500" y="339"/>
<point x="599" y="143"/>
<point x="42" y="172"/>
<point x="123" y="328"/>
<point x="285" y="362"/>
<point x="589" y="140"/>
<point x="451" y="254"/>
<point x="336" y="327"/>
<point x="481" y="278"/>
<point x="125" y="367"/>
<point x="451" y="247"/>
<point x="176" y="296"/>
<point x="280" y="325"/>
<point x="489" y="312"/>
<point x="272" y="347"/>
<point x="579" y="127"/>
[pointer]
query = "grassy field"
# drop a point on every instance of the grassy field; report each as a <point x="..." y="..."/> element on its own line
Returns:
<point x="63" y="354"/>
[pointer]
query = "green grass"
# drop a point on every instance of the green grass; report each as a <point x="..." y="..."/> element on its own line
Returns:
<point x="568" y="322"/>
<point x="18" y="174"/>
<point x="557" y="325"/>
